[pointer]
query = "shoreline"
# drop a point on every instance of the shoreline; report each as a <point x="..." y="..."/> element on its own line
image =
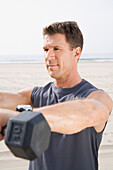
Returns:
<point x="42" y="62"/>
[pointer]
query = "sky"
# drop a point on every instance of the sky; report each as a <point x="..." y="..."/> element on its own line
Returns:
<point x="22" y="22"/>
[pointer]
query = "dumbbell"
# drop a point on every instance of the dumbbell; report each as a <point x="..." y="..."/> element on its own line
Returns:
<point x="27" y="135"/>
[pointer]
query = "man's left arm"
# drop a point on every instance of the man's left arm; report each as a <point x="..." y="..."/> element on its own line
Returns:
<point x="102" y="116"/>
<point x="73" y="116"/>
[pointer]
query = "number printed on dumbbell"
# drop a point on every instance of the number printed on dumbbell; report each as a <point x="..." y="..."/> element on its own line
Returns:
<point x="16" y="132"/>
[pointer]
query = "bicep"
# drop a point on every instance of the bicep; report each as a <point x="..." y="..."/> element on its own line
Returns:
<point x="102" y="97"/>
<point x="26" y="95"/>
<point x="102" y="108"/>
<point x="11" y="100"/>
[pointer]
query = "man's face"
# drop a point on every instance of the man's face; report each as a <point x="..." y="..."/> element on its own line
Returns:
<point x="59" y="58"/>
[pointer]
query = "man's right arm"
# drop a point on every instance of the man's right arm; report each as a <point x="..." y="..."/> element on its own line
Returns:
<point x="11" y="100"/>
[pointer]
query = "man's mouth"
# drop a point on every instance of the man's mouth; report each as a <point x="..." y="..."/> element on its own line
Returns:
<point x="52" y="65"/>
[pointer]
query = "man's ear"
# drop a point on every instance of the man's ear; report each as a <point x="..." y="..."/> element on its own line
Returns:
<point x="77" y="52"/>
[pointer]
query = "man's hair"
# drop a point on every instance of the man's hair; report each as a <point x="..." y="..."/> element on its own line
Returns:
<point x="71" y="31"/>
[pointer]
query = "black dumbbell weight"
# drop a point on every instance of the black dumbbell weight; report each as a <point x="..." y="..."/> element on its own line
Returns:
<point x="27" y="135"/>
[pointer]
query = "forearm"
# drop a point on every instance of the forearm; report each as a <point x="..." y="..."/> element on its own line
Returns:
<point x="73" y="116"/>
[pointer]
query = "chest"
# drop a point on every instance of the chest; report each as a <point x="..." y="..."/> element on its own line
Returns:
<point x="45" y="98"/>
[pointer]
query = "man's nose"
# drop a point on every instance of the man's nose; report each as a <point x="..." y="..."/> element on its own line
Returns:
<point x="50" y="55"/>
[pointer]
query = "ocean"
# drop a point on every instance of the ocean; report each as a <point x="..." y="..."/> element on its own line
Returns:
<point x="40" y="59"/>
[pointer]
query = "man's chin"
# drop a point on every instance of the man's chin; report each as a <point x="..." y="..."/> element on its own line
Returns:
<point x="53" y="75"/>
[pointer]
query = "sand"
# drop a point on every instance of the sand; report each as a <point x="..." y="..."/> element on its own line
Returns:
<point x="14" y="77"/>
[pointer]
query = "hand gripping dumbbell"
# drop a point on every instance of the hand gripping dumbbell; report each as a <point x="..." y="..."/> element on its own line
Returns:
<point x="27" y="135"/>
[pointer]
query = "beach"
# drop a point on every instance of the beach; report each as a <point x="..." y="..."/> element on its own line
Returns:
<point x="16" y="76"/>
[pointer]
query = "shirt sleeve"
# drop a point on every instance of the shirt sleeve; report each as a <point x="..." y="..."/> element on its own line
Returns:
<point x="91" y="90"/>
<point x="33" y="94"/>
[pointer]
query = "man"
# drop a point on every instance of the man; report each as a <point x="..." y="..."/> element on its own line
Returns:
<point x="78" y="111"/>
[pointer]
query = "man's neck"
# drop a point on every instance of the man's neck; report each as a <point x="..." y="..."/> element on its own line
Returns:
<point x="68" y="83"/>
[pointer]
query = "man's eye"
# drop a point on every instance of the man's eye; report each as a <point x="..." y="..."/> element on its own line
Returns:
<point x="45" y="49"/>
<point x="56" y="48"/>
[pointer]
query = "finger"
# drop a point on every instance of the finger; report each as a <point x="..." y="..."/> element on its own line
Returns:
<point x="3" y="130"/>
<point x="1" y="137"/>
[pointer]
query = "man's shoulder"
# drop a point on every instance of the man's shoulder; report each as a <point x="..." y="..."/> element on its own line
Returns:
<point x="40" y="94"/>
<point x="88" y="88"/>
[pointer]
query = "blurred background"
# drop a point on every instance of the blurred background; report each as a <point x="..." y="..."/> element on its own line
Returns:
<point x="22" y="22"/>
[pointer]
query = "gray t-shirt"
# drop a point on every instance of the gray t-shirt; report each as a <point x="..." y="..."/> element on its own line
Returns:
<point x="78" y="151"/>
